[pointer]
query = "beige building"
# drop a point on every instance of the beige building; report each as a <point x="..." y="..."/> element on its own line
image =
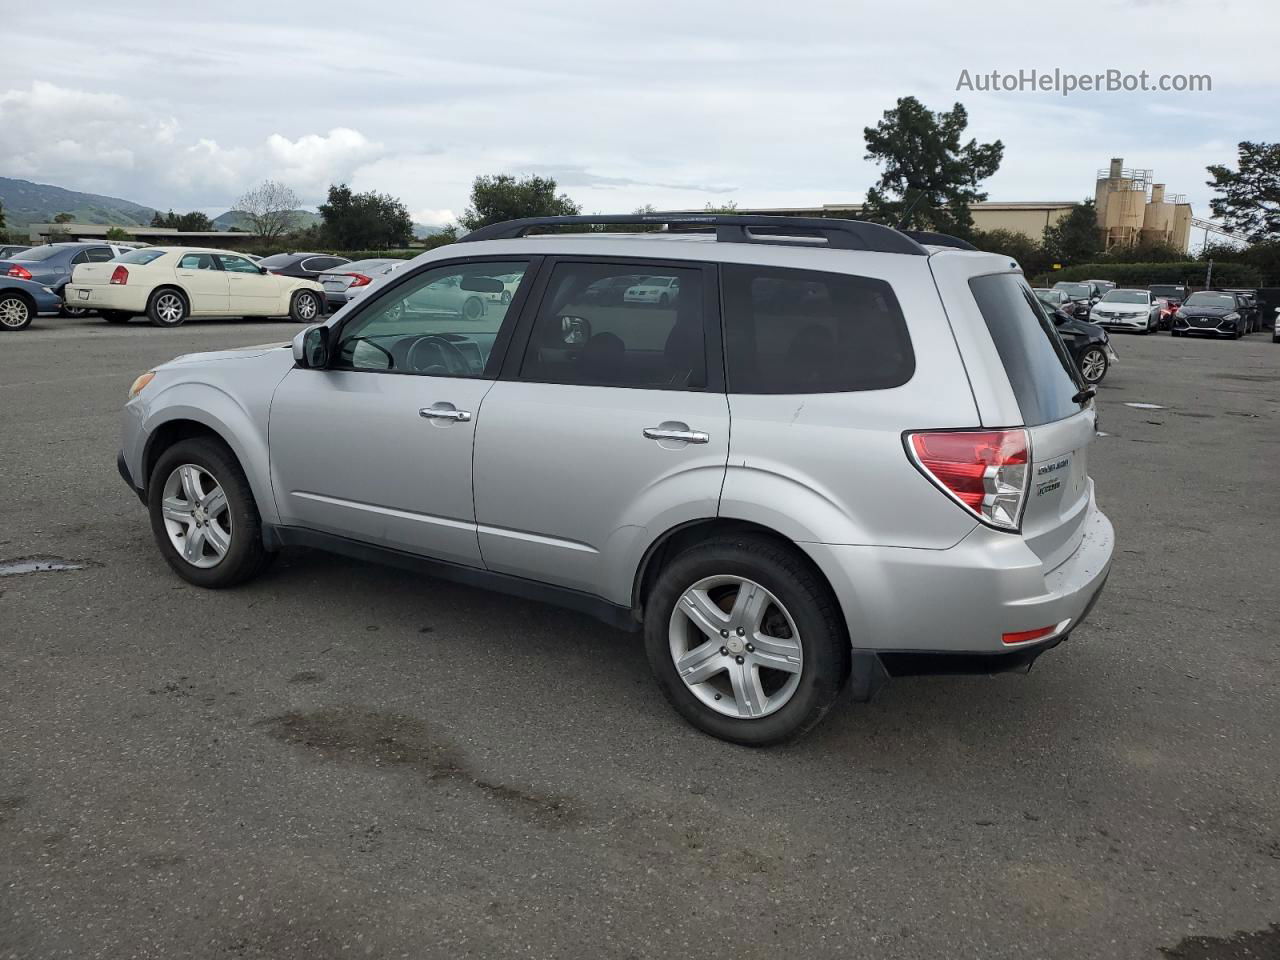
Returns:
<point x="1130" y="207"/>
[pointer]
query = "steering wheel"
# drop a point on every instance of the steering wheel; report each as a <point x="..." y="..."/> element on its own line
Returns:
<point x="454" y="362"/>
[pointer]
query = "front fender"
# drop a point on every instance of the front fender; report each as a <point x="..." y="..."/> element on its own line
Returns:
<point x="242" y="429"/>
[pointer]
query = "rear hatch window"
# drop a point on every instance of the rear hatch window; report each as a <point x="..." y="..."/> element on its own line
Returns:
<point x="1040" y="370"/>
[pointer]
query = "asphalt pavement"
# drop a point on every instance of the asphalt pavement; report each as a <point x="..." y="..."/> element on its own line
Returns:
<point x="343" y="760"/>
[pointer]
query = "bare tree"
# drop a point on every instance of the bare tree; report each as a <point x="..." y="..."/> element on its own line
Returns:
<point x="270" y="208"/>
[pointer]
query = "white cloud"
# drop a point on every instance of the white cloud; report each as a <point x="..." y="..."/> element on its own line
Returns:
<point x="434" y="218"/>
<point x="109" y="143"/>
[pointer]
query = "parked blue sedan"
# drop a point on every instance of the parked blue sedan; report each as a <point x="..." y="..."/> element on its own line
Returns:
<point x="22" y="300"/>
<point x="50" y="265"/>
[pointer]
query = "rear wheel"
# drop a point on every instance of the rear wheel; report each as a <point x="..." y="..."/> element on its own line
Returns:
<point x="116" y="316"/>
<point x="167" y="308"/>
<point x="203" y="515"/>
<point x="67" y="311"/>
<point x="745" y="640"/>
<point x="16" y="311"/>
<point x="304" y="307"/>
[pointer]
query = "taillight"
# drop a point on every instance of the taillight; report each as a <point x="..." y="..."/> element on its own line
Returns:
<point x="985" y="471"/>
<point x="359" y="280"/>
<point x="120" y="276"/>
<point x="22" y="273"/>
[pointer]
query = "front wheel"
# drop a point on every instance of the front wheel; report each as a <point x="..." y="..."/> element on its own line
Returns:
<point x="745" y="640"/>
<point x="304" y="307"/>
<point x="203" y="515"/>
<point x="1093" y="365"/>
<point x="167" y="308"/>
<point x="473" y="309"/>
<point x="16" y="311"/>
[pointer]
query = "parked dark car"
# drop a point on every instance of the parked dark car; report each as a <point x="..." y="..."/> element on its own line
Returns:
<point x="1170" y="297"/>
<point x="1249" y="305"/>
<point x="12" y="249"/>
<point x="1083" y="296"/>
<point x="307" y="266"/>
<point x="22" y="300"/>
<point x="50" y="265"/>
<point x="1101" y="287"/>
<point x="1088" y="344"/>
<point x="1212" y="313"/>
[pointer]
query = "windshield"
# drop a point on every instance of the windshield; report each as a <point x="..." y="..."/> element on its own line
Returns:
<point x="1210" y="300"/>
<point x="36" y="254"/>
<point x="1126" y="296"/>
<point x="1077" y="291"/>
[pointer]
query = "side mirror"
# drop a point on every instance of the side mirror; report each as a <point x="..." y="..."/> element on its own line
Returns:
<point x="263" y="270"/>
<point x="575" y="331"/>
<point x="311" y="347"/>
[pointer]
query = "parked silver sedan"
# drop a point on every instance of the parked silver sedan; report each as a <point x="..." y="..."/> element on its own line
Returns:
<point x="351" y="280"/>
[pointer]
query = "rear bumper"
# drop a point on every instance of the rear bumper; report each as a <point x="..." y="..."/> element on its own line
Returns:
<point x="102" y="296"/>
<point x="960" y="602"/>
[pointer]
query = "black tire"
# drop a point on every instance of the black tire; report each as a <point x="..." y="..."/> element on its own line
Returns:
<point x="73" y="312"/>
<point x="1098" y="354"/>
<point x="305" y="307"/>
<point x="246" y="557"/>
<point x="784" y="573"/>
<point x="17" y="310"/>
<point x="116" y="316"/>
<point x="168" y="307"/>
<point x="663" y="300"/>
<point x="473" y="309"/>
<point x="1174" y="333"/>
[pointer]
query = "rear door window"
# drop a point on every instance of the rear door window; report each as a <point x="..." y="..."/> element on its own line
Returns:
<point x="620" y="325"/>
<point x="804" y="331"/>
<point x="1039" y="368"/>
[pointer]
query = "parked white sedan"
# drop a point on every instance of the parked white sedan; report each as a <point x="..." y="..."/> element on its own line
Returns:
<point x="170" y="284"/>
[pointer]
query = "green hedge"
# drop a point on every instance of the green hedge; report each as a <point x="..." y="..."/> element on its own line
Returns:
<point x="1189" y="272"/>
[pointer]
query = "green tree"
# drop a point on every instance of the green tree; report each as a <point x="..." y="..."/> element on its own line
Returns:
<point x="928" y="178"/>
<point x="1075" y="238"/>
<point x="1" y="215"/>
<point x="504" y="197"/>
<point x="1248" y="199"/>
<point x="157" y="220"/>
<point x="115" y="233"/>
<point x="364" y="221"/>
<point x="194" y="221"/>
<point x="63" y="218"/>
<point x="1029" y="254"/>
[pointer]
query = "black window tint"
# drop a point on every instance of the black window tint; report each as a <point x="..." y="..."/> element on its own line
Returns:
<point x="1040" y="371"/>
<point x="620" y="325"/>
<point x="801" y="331"/>
<point x="276" y="261"/>
<point x="100" y="254"/>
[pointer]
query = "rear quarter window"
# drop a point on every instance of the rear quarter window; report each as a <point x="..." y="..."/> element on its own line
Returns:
<point x="1041" y="372"/>
<point x="805" y="331"/>
<point x="142" y="257"/>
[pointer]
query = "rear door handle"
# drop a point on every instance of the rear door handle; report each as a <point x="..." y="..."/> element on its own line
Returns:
<point x="669" y="433"/>
<point x="442" y="411"/>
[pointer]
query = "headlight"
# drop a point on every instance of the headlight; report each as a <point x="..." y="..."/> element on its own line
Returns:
<point x="1232" y="316"/>
<point x="1180" y="315"/>
<point x="141" y="383"/>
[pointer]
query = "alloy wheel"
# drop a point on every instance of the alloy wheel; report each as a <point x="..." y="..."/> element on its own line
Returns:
<point x="307" y="306"/>
<point x="736" y="647"/>
<point x="14" y="313"/>
<point x="1093" y="365"/>
<point x="196" y="516"/>
<point x="169" y="307"/>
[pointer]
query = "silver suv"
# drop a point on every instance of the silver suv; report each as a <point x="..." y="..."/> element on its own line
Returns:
<point x="833" y="453"/>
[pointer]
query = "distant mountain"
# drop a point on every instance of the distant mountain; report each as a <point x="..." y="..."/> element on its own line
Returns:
<point x="26" y="203"/>
<point x="239" y="220"/>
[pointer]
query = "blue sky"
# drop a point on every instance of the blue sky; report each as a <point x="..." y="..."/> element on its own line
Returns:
<point x="674" y="104"/>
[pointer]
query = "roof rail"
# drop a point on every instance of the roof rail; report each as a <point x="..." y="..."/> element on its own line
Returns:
<point x="730" y="228"/>
<point x="939" y="239"/>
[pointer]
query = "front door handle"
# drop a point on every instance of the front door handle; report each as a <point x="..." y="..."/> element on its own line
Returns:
<point x="665" y="432"/>
<point x="445" y="411"/>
